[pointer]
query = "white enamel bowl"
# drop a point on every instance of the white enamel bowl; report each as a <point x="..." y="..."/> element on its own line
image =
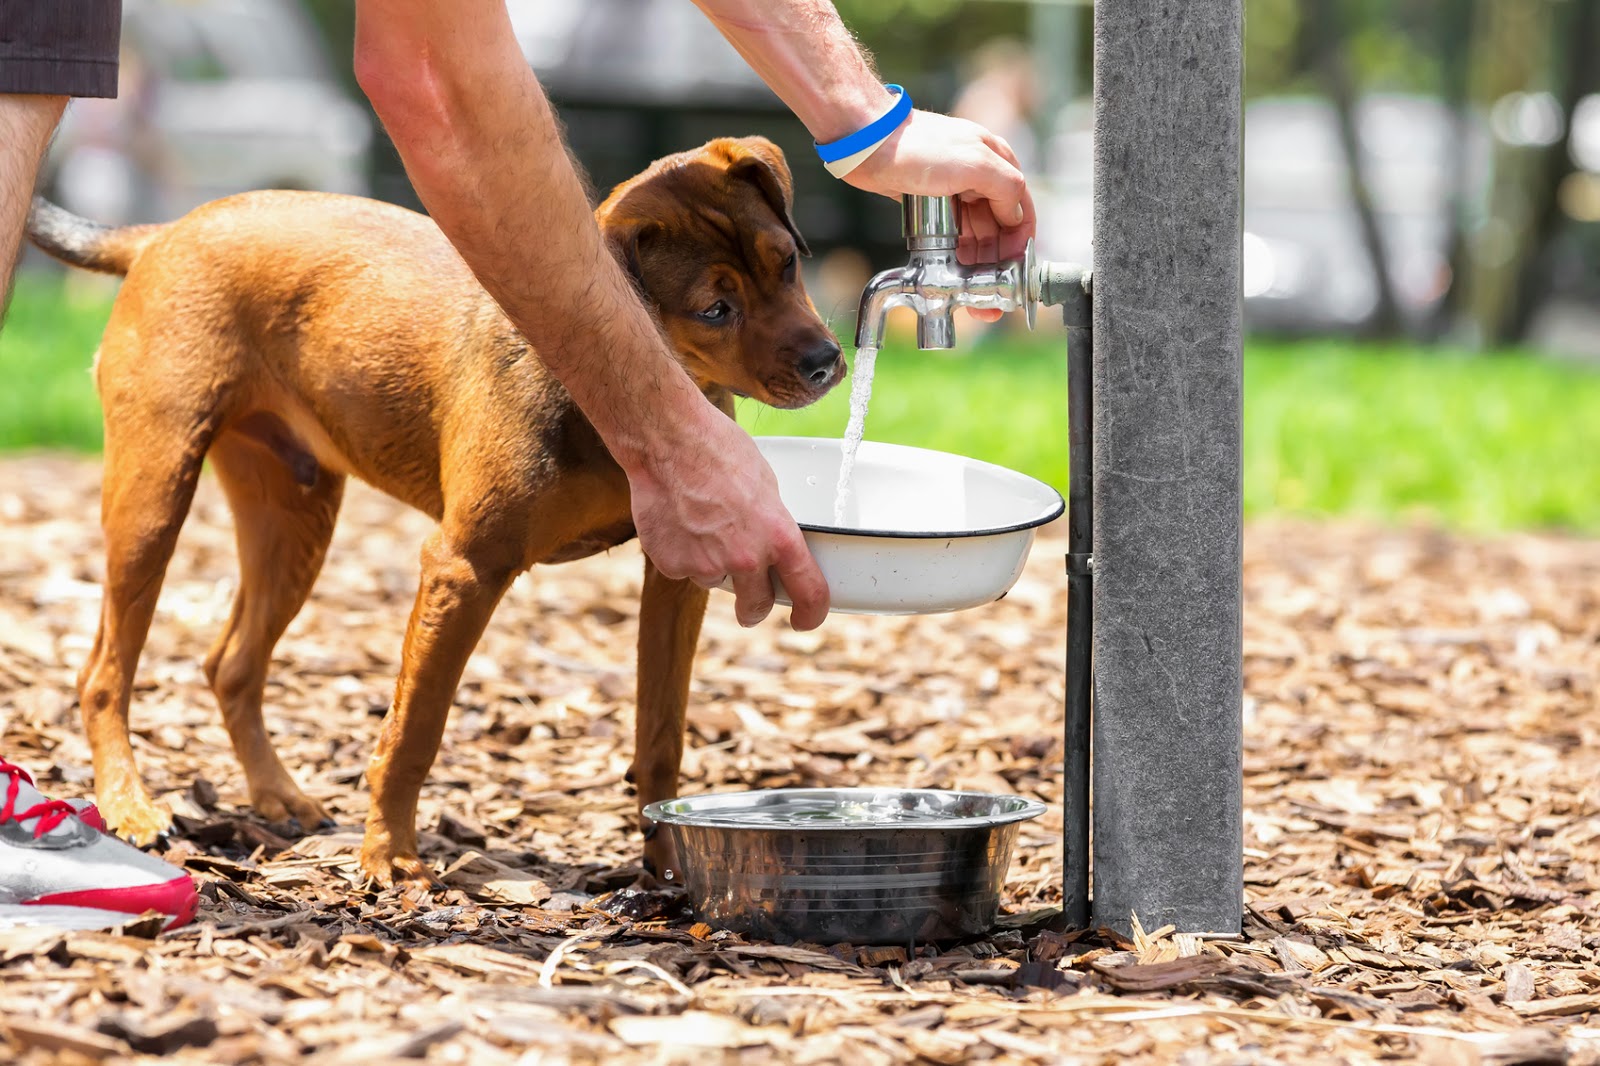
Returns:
<point x="924" y="532"/>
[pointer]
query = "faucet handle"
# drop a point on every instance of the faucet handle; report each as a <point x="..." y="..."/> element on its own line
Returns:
<point x="929" y="222"/>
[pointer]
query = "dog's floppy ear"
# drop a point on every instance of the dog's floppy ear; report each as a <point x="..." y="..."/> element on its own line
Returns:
<point x="758" y="160"/>
<point x="624" y="236"/>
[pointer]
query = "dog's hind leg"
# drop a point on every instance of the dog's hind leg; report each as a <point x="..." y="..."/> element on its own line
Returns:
<point x="284" y="514"/>
<point x="670" y="613"/>
<point x="151" y="469"/>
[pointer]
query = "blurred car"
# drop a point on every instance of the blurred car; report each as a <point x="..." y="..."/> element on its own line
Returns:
<point x="215" y="97"/>
<point x="1305" y="266"/>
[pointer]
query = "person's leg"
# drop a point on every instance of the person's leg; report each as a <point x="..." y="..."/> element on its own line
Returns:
<point x="27" y="121"/>
<point x="50" y="50"/>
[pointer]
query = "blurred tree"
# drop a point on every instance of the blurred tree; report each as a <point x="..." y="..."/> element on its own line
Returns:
<point x="1574" y="30"/>
<point x="921" y="43"/>
<point x="1272" y="36"/>
<point x="1327" y="36"/>
<point x="337" y="20"/>
<point x="1453" y="26"/>
<point x="1519" y="50"/>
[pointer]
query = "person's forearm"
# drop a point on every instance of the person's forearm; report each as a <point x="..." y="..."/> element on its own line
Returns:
<point x="484" y="152"/>
<point x="802" y="50"/>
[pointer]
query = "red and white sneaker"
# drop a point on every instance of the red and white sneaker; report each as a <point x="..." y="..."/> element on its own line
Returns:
<point x="57" y="867"/>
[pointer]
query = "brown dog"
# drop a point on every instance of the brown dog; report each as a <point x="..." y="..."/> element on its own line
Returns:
<point x="295" y="339"/>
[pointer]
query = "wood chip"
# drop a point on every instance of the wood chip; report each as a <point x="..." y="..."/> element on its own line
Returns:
<point x="694" y="1028"/>
<point x="1519" y="985"/>
<point x="59" y="1038"/>
<point x="490" y="881"/>
<point x="1160" y="976"/>
<point x="1559" y="1007"/>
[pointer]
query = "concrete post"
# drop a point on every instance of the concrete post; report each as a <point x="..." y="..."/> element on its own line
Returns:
<point x="1167" y="408"/>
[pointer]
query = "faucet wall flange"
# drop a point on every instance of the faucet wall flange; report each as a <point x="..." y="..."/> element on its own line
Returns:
<point x="1055" y="282"/>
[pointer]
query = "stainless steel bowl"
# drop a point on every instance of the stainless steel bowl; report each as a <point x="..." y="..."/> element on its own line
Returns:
<point x="857" y="865"/>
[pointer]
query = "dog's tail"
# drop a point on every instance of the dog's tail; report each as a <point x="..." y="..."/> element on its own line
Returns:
<point x="110" y="250"/>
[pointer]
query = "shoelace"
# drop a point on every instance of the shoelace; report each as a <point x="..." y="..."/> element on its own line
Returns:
<point x="50" y="813"/>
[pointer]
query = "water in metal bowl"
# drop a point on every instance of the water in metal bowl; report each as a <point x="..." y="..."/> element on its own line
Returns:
<point x="846" y="865"/>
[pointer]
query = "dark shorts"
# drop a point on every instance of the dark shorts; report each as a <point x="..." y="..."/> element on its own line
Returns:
<point x="60" y="47"/>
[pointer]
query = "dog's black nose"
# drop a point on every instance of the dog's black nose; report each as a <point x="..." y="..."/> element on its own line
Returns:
<point x="816" y="366"/>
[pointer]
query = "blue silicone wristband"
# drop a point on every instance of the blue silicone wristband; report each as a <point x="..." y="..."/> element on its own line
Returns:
<point x="870" y="134"/>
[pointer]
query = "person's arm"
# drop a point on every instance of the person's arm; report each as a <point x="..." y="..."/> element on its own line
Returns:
<point x="804" y="52"/>
<point x="482" y="147"/>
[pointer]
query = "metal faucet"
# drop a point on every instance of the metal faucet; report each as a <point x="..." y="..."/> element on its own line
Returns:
<point x="934" y="284"/>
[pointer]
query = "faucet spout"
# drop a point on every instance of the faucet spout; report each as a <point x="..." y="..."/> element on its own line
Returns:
<point x="883" y="293"/>
<point x="936" y="331"/>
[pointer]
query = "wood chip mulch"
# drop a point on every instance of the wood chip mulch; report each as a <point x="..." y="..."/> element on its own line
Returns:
<point x="1422" y="779"/>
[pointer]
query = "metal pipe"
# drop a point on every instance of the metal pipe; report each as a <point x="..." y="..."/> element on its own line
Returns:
<point x="1077" y="314"/>
<point x="1070" y="287"/>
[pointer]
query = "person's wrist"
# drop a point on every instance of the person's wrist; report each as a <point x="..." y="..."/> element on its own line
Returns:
<point x="683" y="421"/>
<point x="846" y="108"/>
<point x="842" y="156"/>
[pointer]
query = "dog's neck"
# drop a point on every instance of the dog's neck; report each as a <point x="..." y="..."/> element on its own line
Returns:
<point x="721" y="397"/>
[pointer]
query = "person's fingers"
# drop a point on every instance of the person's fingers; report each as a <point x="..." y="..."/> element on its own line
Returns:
<point x="668" y="566"/>
<point x="1013" y="240"/>
<point x="804" y="583"/>
<point x="753" y="598"/>
<point x="1002" y="184"/>
<point x="1002" y="148"/>
<point x="980" y="233"/>
<point x="675" y="563"/>
<point x="979" y="243"/>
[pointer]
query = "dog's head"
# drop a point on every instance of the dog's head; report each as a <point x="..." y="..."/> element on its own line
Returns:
<point x="709" y="239"/>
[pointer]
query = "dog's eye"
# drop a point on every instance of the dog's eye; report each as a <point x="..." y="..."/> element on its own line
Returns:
<point x="790" y="266"/>
<point x="717" y="312"/>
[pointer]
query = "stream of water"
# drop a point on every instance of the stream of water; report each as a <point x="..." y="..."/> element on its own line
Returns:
<point x="860" y="396"/>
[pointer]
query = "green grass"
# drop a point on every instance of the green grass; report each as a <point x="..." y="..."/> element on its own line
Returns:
<point x="1479" y="442"/>
<point x="1471" y="441"/>
<point x="47" y="345"/>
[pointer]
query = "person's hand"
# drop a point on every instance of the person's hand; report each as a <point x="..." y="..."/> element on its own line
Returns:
<point x="709" y="510"/>
<point x="936" y="155"/>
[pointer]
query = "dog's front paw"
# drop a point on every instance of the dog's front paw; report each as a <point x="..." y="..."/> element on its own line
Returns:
<point x="134" y="818"/>
<point x="389" y="868"/>
<point x="284" y="802"/>
<point x="661" y="865"/>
